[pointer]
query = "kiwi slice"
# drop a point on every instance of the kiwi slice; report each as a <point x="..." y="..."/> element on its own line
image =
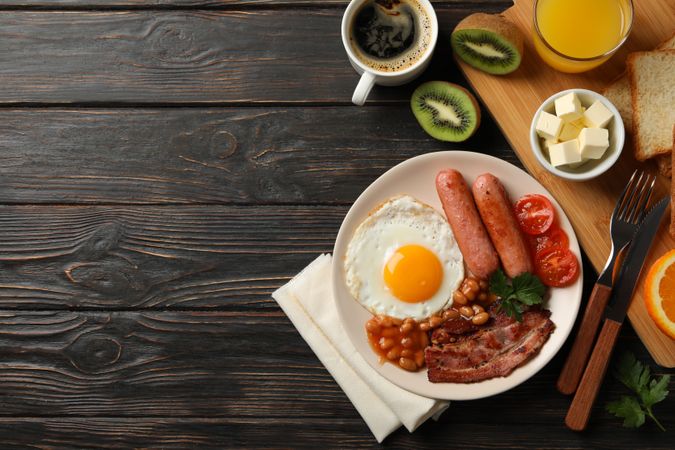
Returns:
<point x="446" y="111"/>
<point x="488" y="42"/>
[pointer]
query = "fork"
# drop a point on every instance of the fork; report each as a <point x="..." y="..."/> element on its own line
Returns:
<point x="628" y="213"/>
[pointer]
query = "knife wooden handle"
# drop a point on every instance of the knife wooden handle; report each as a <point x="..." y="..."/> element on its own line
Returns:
<point x="580" y="409"/>
<point x="581" y="348"/>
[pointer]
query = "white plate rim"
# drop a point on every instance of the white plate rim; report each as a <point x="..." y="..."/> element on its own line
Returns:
<point x="376" y="193"/>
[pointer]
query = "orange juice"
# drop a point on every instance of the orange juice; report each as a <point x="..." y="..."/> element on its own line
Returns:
<point x="577" y="35"/>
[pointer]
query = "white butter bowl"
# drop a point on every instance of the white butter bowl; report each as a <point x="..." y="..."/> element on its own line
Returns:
<point x="592" y="168"/>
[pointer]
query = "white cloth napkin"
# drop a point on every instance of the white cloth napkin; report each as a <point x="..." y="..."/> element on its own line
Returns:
<point x="307" y="301"/>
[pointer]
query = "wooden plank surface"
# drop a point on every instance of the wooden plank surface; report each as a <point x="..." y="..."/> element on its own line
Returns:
<point x="334" y="432"/>
<point x="212" y="364"/>
<point x="207" y="157"/>
<point x="186" y="56"/>
<point x="212" y="4"/>
<point x="210" y="155"/>
<point x="230" y="258"/>
<point x="339" y="432"/>
<point x="513" y="101"/>
<point x="166" y="364"/>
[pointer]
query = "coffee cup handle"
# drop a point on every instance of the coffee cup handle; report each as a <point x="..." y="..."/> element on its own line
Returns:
<point x="362" y="90"/>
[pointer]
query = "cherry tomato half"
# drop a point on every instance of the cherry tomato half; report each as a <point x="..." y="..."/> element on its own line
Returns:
<point x="535" y="214"/>
<point x="553" y="237"/>
<point x="557" y="267"/>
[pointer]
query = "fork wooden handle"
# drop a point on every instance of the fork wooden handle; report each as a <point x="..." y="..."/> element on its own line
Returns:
<point x="581" y="348"/>
<point x="580" y="409"/>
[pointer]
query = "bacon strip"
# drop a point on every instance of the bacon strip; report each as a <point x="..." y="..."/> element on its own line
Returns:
<point x="494" y="350"/>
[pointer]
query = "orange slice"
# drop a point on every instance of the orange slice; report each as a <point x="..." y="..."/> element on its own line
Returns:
<point x="660" y="293"/>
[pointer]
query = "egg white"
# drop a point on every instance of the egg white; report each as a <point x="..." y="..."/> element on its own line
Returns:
<point x="397" y="222"/>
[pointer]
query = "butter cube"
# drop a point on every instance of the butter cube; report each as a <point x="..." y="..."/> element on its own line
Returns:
<point x="546" y="143"/>
<point x="579" y="123"/>
<point x="569" y="131"/>
<point x="565" y="153"/>
<point x="597" y="116"/>
<point x="593" y="142"/>
<point x="568" y="107"/>
<point x="548" y="126"/>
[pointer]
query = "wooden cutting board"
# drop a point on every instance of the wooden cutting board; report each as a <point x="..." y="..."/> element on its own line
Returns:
<point x="513" y="100"/>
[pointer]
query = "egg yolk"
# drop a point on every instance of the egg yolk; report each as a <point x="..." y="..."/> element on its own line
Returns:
<point x="413" y="273"/>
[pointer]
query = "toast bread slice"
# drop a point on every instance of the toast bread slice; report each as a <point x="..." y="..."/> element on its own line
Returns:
<point x="652" y="82"/>
<point x="665" y="165"/>
<point x="619" y="92"/>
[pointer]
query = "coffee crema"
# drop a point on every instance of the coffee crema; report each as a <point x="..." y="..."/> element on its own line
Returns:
<point x="390" y="35"/>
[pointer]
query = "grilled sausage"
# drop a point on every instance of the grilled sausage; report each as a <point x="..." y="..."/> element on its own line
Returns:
<point x="479" y="254"/>
<point x="497" y="213"/>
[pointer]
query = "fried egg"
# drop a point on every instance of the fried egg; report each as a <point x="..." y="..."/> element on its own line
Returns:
<point x="403" y="260"/>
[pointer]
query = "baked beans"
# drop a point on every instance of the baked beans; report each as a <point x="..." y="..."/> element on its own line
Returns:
<point x="449" y="314"/>
<point x="470" y="299"/>
<point x="402" y="341"/>
<point x="480" y="318"/>
<point x="459" y="299"/>
<point x="399" y="341"/>
<point x="466" y="311"/>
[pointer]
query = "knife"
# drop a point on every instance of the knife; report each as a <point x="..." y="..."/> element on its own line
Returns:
<point x="580" y="409"/>
<point x="622" y="229"/>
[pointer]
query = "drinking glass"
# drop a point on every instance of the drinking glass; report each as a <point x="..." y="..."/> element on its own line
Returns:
<point x="567" y="60"/>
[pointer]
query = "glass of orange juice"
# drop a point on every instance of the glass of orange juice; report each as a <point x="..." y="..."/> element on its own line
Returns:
<point x="578" y="35"/>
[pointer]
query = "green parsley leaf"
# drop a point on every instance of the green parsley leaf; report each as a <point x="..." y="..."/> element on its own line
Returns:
<point x="628" y="409"/>
<point x="512" y="309"/>
<point x="499" y="284"/>
<point x="528" y="289"/>
<point x="637" y="377"/>
<point x="631" y="372"/>
<point x="525" y="289"/>
<point x="656" y="392"/>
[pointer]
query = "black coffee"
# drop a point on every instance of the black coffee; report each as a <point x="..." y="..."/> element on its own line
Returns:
<point x="390" y="35"/>
<point x="385" y="29"/>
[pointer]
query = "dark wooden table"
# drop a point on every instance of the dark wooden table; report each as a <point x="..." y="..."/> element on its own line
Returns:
<point x="164" y="166"/>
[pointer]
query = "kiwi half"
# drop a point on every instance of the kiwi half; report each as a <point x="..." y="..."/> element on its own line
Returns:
<point x="488" y="42"/>
<point x="446" y="111"/>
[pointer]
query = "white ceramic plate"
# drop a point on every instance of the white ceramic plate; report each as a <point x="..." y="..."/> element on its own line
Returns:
<point x="416" y="177"/>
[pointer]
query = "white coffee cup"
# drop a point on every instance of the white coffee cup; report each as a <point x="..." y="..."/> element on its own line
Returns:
<point x="371" y="76"/>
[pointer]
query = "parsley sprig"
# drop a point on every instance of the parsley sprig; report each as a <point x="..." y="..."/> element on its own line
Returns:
<point x="525" y="289"/>
<point x="650" y="391"/>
